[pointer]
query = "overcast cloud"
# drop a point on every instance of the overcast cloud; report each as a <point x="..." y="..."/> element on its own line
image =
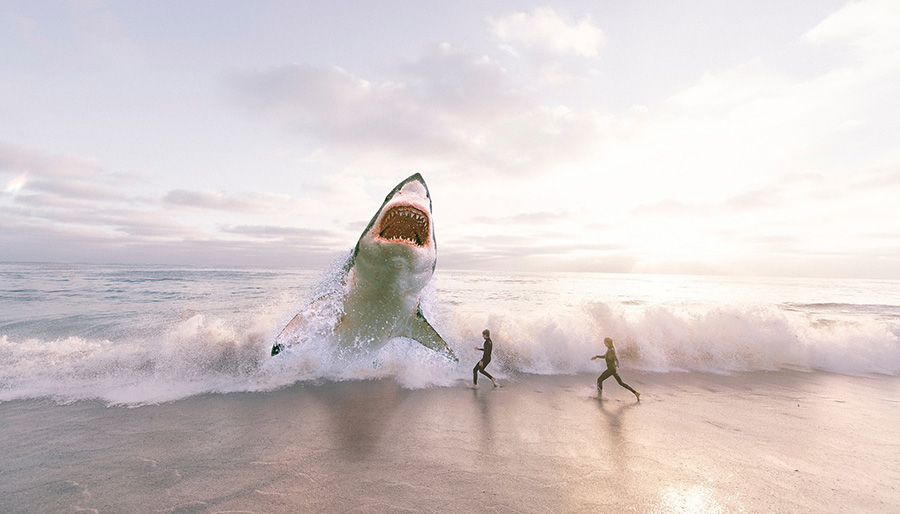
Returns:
<point x="660" y="137"/>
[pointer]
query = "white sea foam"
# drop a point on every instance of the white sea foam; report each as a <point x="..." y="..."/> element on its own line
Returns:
<point x="538" y="326"/>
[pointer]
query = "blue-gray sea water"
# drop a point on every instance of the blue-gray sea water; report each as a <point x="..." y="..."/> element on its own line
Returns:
<point x="134" y="335"/>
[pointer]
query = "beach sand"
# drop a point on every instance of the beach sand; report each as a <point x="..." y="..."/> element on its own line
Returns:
<point x="696" y="443"/>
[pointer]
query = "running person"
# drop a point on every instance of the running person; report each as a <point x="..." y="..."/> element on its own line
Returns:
<point x="612" y="363"/>
<point x="485" y="359"/>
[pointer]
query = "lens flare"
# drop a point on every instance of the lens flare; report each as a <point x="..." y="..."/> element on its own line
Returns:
<point x="16" y="184"/>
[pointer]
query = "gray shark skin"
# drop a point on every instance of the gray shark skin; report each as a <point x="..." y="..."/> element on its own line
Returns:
<point x="382" y="281"/>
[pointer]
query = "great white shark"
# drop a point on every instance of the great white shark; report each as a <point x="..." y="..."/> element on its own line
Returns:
<point x="382" y="281"/>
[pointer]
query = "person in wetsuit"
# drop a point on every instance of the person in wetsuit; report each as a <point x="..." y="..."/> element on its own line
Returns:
<point x="485" y="359"/>
<point x="612" y="363"/>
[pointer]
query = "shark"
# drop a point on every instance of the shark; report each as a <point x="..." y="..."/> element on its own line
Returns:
<point x="383" y="278"/>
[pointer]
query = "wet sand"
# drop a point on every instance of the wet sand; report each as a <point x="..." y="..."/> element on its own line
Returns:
<point x="696" y="443"/>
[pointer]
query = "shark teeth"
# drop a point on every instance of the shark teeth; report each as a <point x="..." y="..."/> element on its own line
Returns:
<point x="405" y="223"/>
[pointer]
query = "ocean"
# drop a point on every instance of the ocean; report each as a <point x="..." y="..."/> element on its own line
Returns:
<point x="134" y="389"/>
<point x="135" y="335"/>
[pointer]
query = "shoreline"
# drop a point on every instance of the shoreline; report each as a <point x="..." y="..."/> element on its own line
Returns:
<point x="748" y="442"/>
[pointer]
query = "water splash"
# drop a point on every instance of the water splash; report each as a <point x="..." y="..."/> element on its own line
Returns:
<point x="70" y="341"/>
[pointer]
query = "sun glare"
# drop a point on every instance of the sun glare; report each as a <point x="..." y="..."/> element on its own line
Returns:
<point x="16" y="184"/>
<point x="660" y="245"/>
<point x="695" y="499"/>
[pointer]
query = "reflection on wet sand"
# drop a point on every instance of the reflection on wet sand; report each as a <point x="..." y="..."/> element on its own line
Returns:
<point x="615" y="416"/>
<point x="359" y="414"/>
<point x="688" y="499"/>
<point x="486" y="422"/>
<point x="698" y="443"/>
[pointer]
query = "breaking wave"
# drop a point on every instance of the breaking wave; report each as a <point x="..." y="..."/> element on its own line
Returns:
<point x="218" y="350"/>
<point x="723" y="339"/>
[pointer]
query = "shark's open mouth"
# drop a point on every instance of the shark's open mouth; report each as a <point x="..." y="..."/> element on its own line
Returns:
<point x="405" y="223"/>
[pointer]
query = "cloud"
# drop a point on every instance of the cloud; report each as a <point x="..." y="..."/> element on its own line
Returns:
<point x="546" y="30"/>
<point x="527" y="218"/>
<point x="102" y="32"/>
<point x="879" y="179"/>
<point x="280" y="232"/>
<point x="869" y="27"/>
<point x="735" y="130"/>
<point x="148" y="225"/>
<point x="52" y="201"/>
<point x="447" y="95"/>
<point x="506" y="253"/>
<point x="703" y="176"/>
<point x="332" y="105"/>
<point x="668" y="208"/>
<point x="108" y="218"/>
<point x="467" y="87"/>
<point x="756" y="199"/>
<point x="40" y="178"/>
<point x="55" y="243"/>
<point x="697" y="180"/>
<point x="68" y="208"/>
<point x="76" y="192"/>
<point x="28" y="30"/>
<point x="21" y="159"/>
<point x="454" y="110"/>
<point x="213" y="200"/>
<point x="78" y="189"/>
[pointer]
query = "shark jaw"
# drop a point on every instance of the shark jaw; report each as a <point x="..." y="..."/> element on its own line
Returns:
<point x="405" y="224"/>
<point x="399" y="243"/>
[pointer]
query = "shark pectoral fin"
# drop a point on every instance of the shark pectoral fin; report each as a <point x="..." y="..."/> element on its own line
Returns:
<point x="426" y="335"/>
<point x="290" y="330"/>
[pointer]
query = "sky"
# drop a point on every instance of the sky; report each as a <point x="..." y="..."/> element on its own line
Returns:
<point x="658" y="136"/>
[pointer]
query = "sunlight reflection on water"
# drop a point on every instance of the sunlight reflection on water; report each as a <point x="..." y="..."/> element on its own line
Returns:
<point x="693" y="499"/>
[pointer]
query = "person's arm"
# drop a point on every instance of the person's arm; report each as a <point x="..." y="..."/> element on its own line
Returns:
<point x="595" y="357"/>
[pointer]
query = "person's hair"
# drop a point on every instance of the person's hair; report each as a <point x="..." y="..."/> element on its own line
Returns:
<point x="608" y="341"/>
<point x="486" y="332"/>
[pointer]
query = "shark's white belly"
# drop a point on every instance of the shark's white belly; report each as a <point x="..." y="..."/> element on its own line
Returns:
<point x="375" y="307"/>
